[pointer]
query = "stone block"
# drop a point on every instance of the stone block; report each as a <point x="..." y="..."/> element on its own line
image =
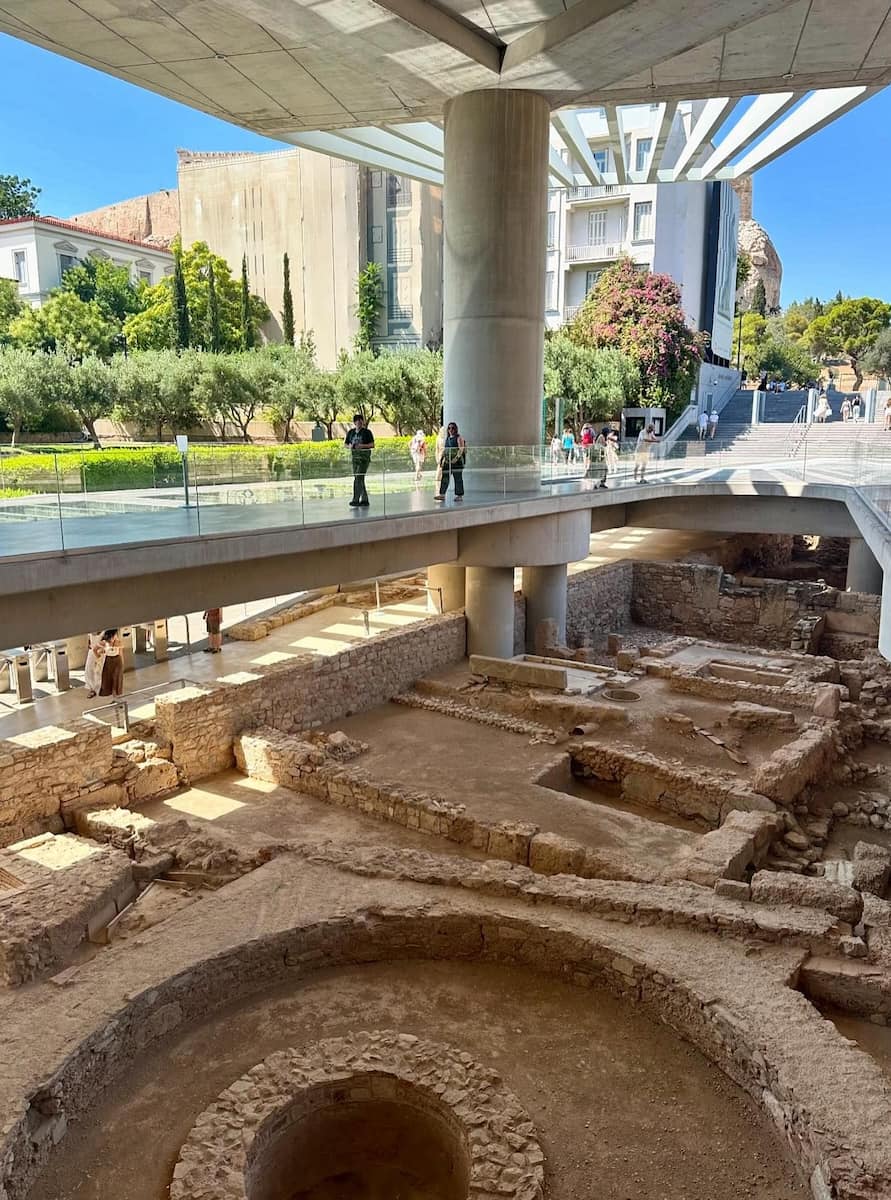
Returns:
<point x="511" y="841"/>
<point x="613" y="643"/>
<point x="550" y="854"/>
<point x="627" y="660"/>
<point x="732" y="889"/>
<point x="517" y="671"/>
<point x="759" y="716"/>
<point x="872" y="868"/>
<point x="785" y="887"/>
<point x="155" y="777"/>
<point x="827" y="701"/>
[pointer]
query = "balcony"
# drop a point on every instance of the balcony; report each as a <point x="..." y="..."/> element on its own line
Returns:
<point x="606" y="191"/>
<point x="399" y="256"/>
<point x="599" y="253"/>
<point x="401" y="312"/>
<point x="569" y="313"/>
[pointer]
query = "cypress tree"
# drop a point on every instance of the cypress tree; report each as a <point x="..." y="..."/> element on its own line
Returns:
<point x="182" y="337"/>
<point x="247" y="320"/>
<point x="287" y="303"/>
<point x="759" y="299"/>
<point x="215" y="338"/>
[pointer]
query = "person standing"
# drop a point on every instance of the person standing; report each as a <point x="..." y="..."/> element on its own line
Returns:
<point x="112" y="664"/>
<point x="611" y="453"/>
<point x="713" y="423"/>
<point x="845" y="409"/>
<point x="646" y="439"/>
<point x="703" y="425"/>
<point x="452" y="459"/>
<point x="855" y="407"/>
<point x="93" y="665"/>
<point x="418" y="451"/>
<point x="588" y="441"/>
<point x="213" y="620"/>
<point x="360" y="441"/>
<point x="888" y="414"/>
<point x="568" y="445"/>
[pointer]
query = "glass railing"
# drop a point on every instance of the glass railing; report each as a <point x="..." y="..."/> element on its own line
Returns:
<point x="65" y="501"/>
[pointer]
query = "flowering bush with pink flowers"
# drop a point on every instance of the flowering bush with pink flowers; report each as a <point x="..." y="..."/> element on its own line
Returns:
<point x="640" y="313"/>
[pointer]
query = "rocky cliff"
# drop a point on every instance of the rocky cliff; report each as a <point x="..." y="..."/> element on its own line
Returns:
<point x="153" y="218"/>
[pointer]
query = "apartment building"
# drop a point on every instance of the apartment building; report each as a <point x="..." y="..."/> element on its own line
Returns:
<point x="37" y="251"/>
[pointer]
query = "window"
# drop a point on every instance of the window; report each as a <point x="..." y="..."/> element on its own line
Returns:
<point x="601" y="157"/>
<point x="597" y="228"/>
<point x="66" y="262"/>
<point x="398" y="241"/>
<point x="644" y="146"/>
<point x="20" y="267"/>
<point x="145" y="276"/>
<point x="376" y="178"/>
<point x="551" y="290"/>
<point x="377" y="234"/>
<point x="552" y="230"/>
<point x="591" y="278"/>
<point x="643" y="220"/>
<point x="398" y="191"/>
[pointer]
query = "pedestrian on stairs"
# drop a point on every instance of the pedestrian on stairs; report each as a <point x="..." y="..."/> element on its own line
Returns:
<point x="703" y="425"/>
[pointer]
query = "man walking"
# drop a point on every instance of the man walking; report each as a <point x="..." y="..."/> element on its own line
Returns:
<point x="713" y="423"/>
<point x="703" y="425"/>
<point x="360" y="440"/>
<point x="645" y="441"/>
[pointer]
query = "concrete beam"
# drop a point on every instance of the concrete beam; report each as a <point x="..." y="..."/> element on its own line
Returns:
<point x="440" y="24"/>
<point x="744" y="514"/>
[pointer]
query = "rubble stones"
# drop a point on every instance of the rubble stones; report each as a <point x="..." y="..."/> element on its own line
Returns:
<point x="872" y="868"/>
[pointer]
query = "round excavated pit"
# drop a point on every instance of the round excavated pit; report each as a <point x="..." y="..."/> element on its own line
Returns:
<point x="621" y="695"/>
<point x="365" y="1117"/>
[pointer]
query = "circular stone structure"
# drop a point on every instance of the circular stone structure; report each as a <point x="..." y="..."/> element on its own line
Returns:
<point x="365" y="1114"/>
<point x="620" y="695"/>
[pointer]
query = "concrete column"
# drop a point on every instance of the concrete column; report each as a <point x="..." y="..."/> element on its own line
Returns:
<point x="450" y="580"/>
<point x="490" y="611"/>
<point x="864" y="571"/>
<point x="757" y="401"/>
<point x="495" y="235"/>
<point x="77" y="648"/>
<point x="545" y="591"/>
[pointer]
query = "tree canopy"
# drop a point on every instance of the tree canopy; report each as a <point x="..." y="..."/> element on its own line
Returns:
<point x="594" y="383"/>
<point x="10" y="307"/>
<point x="849" y="327"/>
<point x="110" y="286"/>
<point x="18" y="197"/>
<point x="155" y="328"/>
<point x="639" y="312"/>
<point x="66" y="324"/>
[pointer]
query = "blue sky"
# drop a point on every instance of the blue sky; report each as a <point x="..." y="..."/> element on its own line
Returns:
<point x="88" y="139"/>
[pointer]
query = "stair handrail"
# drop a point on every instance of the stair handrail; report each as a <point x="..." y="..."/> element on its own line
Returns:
<point x="798" y="433"/>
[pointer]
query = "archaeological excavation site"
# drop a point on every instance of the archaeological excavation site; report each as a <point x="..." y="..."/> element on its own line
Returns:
<point x="608" y="918"/>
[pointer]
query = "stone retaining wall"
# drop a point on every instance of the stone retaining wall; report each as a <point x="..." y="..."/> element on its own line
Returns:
<point x="695" y="793"/>
<point x="302" y="693"/>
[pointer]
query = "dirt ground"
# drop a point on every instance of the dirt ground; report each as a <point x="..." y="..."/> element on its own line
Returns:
<point x="623" y="1109"/>
<point x="490" y="770"/>
<point x="874" y="1039"/>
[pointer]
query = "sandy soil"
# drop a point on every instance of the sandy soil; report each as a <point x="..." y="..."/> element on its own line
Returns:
<point x="624" y="1111"/>
<point x="490" y="771"/>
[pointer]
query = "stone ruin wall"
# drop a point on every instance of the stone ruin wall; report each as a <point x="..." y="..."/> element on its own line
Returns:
<point x="153" y="218"/>
<point x="700" y="601"/>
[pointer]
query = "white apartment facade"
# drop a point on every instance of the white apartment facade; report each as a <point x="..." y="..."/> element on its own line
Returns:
<point x="37" y="251"/>
<point x="666" y="227"/>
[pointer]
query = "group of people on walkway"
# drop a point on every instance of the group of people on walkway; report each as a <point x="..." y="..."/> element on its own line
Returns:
<point x="451" y="459"/>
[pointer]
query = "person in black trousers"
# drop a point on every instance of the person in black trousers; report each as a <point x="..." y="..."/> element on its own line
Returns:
<point x="452" y="458"/>
<point x="360" y="440"/>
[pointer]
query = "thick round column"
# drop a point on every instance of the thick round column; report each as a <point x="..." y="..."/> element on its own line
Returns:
<point x="545" y="592"/>
<point x="864" y="572"/>
<point x="495" y="235"/>
<point x="449" y="579"/>
<point x="489" y="607"/>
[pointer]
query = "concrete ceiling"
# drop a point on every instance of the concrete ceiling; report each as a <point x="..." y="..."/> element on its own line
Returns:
<point x="282" y="66"/>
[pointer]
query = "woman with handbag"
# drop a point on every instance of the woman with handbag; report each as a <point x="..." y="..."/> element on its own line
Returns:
<point x="452" y="458"/>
